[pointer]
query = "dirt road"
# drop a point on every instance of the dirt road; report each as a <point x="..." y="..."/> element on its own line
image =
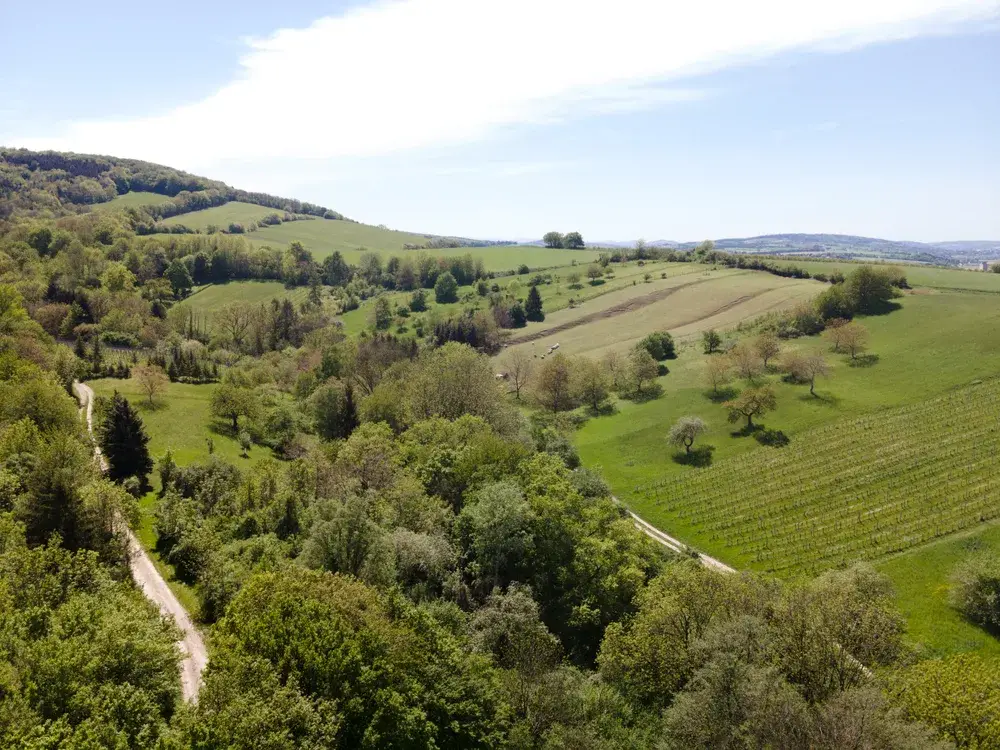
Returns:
<point x="192" y="647"/>
<point x="674" y="545"/>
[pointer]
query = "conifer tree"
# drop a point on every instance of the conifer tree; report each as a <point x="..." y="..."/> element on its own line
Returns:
<point x="124" y="442"/>
<point x="533" y="306"/>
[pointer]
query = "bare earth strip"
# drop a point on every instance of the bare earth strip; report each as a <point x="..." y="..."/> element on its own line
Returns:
<point x="194" y="653"/>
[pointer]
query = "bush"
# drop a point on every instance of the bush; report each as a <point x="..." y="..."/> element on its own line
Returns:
<point x="976" y="589"/>
<point x="660" y="346"/>
<point x="523" y="269"/>
<point x="661" y="370"/>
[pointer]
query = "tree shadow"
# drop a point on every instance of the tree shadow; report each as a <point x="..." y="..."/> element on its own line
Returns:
<point x="883" y="308"/>
<point x="747" y="430"/>
<point x="144" y="405"/>
<point x="604" y="410"/>
<point x="721" y="395"/>
<point x="699" y="457"/>
<point x="822" y="399"/>
<point x="772" y="438"/>
<point x="864" y="360"/>
<point x="650" y="393"/>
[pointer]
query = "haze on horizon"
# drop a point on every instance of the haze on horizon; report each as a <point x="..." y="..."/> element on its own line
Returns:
<point x="509" y="119"/>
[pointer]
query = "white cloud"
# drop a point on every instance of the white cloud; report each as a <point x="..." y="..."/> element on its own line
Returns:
<point x="419" y="73"/>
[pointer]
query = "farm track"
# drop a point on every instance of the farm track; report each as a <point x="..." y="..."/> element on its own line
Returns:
<point x="628" y="306"/>
<point x="148" y="578"/>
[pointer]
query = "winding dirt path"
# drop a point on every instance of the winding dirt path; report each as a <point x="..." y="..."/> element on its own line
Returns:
<point x="194" y="654"/>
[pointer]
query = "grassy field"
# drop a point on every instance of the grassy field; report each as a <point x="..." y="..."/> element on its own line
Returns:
<point x="134" y="200"/>
<point x="855" y="489"/>
<point x="922" y="581"/>
<point x="209" y="298"/>
<point x="934" y="343"/>
<point x="222" y="216"/>
<point x="181" y="420"/>
<point x="323" y="237"/>
<point x="933" y="277"/>
<point x="690" y="300"/>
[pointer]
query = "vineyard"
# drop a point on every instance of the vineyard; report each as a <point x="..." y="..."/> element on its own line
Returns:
<point x="856" y="489"/>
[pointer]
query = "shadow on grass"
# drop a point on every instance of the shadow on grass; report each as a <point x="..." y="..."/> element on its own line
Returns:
<point x="884" y="308"/>
<point x="650" y="393"/>
<point x="773" y="438"/>
<point x="864" y="360"/>
<point x="604" y="410"/>
<point x="821" y="399"/>
<point x="720" y="395"/>
<point x="144" y="405"/>
<point x="747" y="430"/>
<point x="699" y="457"/>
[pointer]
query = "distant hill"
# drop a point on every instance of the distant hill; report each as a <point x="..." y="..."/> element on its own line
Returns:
<point x="52" y="184"/>
<point x="844" y="246"/>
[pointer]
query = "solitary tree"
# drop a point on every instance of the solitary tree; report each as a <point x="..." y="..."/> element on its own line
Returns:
<point x="519" y="367"/>
<point x="592" y="383"/>
<point x="123" y="441"/>
<point x="718" y="372"/>
<point x="711" y="340"/>
<point x="180" y="278"/>
<point x="806" y="368"/>
<point x="232" y="402"/>
<point x="851" y="337"/>
<point x="235" y="321"/>
<point x="594" y="273"/>
<point x="572" y="240"/>
<point x="245" y="442"/>
<point x="382" y="314"/>
<point x="151" y="379"/>
<point x="752" y="402"/>
<point x="767" y="346"/>
<point x="746" y="361"/>
<point x="685" y="431"/>
<point x="553" y="384"/>
<point x="614" y="365"/>
<point x="533" y="306"/>
<point x="446" y="288"/>
<point x="641" y="369"/>
<point x="553" y="239"/>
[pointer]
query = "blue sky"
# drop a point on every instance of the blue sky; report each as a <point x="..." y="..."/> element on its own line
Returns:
<point x="507" y="119"/>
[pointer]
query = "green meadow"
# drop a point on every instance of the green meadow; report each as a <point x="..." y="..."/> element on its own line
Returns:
<point x="222" y="216"/>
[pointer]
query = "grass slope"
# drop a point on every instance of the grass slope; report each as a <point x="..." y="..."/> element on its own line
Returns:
<point x="931" y="277"/>
<point x="934" y="343"/>
<point x="209" y="298"/>
<point x="133" y="200"/>
<point x="852" y="490"/>
<point x="222" y="216"/>
<point x="691" y="299"/>
<point x="922" y="581"/>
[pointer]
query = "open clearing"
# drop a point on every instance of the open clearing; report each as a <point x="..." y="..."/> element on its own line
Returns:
<point x="222" y="216"/>
<point x="685" y="304"/>
<point x="853" y="490"/>
<point x="209" y="298"/>
<point x="180" y="422"/>
<point x="134" y="200"/>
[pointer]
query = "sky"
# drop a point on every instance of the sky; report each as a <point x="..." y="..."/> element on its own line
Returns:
<point x="505" y="119"/>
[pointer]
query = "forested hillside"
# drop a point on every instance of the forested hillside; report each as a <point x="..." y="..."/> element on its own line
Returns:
<point x="52" y="184"/>
<point x="387" y="542"/>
